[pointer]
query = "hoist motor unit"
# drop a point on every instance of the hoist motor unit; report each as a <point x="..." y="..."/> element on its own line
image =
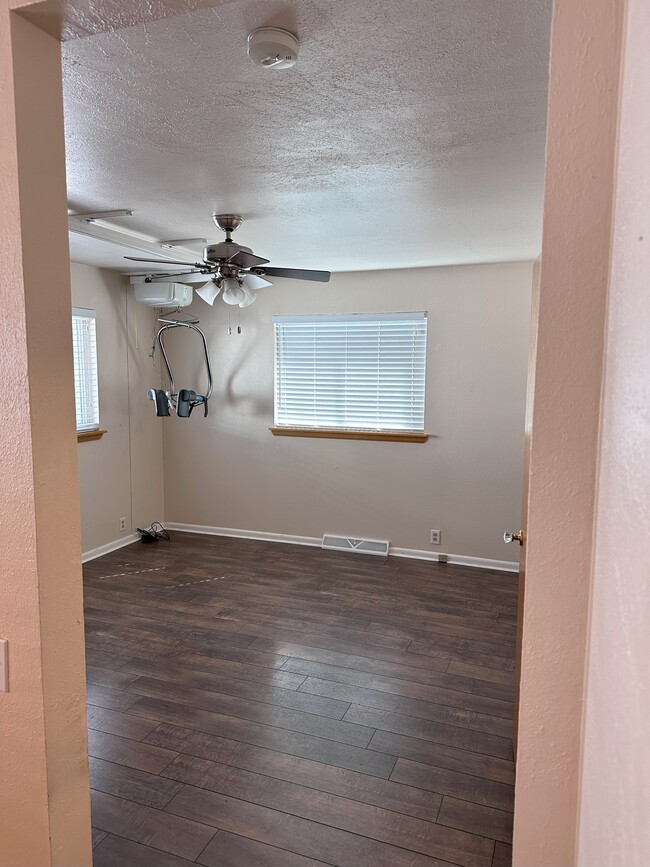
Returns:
<point x="163" y="294"/>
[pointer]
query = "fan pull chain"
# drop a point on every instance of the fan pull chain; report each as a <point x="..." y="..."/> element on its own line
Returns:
<point x="230" y="327"/>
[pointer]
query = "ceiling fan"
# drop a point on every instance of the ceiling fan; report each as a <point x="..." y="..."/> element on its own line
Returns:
<point x="233" y="268"/>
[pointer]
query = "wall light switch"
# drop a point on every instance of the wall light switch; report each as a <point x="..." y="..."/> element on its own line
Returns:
<point x="4" y="666"/>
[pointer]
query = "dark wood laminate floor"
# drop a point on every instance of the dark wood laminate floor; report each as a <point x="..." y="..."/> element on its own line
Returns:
<point x="262" y="705"/>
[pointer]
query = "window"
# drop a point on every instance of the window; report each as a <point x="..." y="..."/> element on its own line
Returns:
<point x="357" y="372"/>
<point x="86" y="392"/>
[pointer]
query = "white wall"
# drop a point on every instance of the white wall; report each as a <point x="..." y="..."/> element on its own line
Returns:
<point x="229" y="471"/>
<point x="121" y="474"/>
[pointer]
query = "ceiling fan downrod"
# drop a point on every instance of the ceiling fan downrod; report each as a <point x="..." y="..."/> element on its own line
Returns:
<point x="228" y="223"/>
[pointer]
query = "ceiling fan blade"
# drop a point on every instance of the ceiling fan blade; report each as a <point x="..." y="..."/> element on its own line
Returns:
<point x="166" y="262"/>
<point x="154" y="275"/>
<point x="252" y="281"/>
<point x="245" y="260"/>
<point x="298" y="274"/>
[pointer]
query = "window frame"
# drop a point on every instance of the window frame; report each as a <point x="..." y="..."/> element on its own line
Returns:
<point x="92" y="430"/>
<point x="367" y="432"/>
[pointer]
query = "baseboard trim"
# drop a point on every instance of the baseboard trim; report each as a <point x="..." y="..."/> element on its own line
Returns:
<point x="312" y="541"/>
<point x="457" y="559"/>
<point x="110" y="546"/>
<point x="315" y="542"/>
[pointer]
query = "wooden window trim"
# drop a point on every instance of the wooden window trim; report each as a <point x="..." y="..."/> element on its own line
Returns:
<point x="84" y="436"/>
<point x="342" y="434"/>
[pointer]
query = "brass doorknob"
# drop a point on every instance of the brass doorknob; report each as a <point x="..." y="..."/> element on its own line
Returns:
<point x="519" y="536"/>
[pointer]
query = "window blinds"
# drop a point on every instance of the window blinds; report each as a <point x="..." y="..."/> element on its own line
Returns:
<point x="84" y="345"/>
<point x="358" y="371"/>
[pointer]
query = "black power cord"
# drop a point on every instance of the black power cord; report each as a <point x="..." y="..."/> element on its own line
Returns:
<point x="154" y="533"/>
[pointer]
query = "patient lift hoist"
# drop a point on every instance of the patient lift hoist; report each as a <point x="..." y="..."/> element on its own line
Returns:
<point x="185" y="400"/>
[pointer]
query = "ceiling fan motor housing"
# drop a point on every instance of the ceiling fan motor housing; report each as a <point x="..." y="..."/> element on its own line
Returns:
<point x="272" y="48"/>
<point x="223" y="250"/>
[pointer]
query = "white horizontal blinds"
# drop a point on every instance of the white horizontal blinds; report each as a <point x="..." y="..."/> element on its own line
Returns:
<point x="359" y="371"/>
<point x="86" y="392"/>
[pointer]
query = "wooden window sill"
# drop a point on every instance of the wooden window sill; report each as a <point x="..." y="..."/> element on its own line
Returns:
<point x="84" y="436"/>
<point x="326" y="433"/>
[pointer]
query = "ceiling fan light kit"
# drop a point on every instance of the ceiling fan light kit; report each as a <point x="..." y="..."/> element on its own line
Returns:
<point x="272" y="48"/>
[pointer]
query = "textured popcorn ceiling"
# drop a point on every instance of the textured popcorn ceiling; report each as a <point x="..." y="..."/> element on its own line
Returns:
<point x="408" y="134"/>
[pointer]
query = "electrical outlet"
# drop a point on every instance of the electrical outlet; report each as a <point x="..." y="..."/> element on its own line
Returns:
<point x="435" y="537"/>
<point x="122" y="525"/>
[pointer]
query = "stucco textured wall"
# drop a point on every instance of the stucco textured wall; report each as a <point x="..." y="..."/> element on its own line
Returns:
<point x="585" y="52"/>
<point x="44" y="798"/>
<point x="615" y="795"/>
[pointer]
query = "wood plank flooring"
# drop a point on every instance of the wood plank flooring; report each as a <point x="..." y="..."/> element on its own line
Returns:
<point x="252" y="704"/>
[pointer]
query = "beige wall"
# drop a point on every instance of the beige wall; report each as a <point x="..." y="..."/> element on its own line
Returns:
<point x="615" y="793"/>
<point x="229" y="471"/>
<point x="120" y="475"/>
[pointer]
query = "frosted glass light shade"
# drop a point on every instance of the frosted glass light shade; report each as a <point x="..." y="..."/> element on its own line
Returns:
<point x="249" y="297"/>
<point x="232" y="291"/>
<point x="208" y="292"/>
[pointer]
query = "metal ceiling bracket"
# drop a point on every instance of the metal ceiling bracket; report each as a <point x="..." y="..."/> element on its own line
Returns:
<point x="180" y="242"/>
<point x="91" y="216"/>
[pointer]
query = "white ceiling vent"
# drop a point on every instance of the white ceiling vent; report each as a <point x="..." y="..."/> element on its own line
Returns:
<point x="360" y="546"/>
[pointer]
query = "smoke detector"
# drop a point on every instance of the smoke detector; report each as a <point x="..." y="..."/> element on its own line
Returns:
<point x="273" y="48"/>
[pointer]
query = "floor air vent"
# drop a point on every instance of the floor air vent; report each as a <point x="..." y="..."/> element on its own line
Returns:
<point x="361" y="546"/>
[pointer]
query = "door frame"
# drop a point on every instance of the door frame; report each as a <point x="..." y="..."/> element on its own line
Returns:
<point x="586" y="46"/>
